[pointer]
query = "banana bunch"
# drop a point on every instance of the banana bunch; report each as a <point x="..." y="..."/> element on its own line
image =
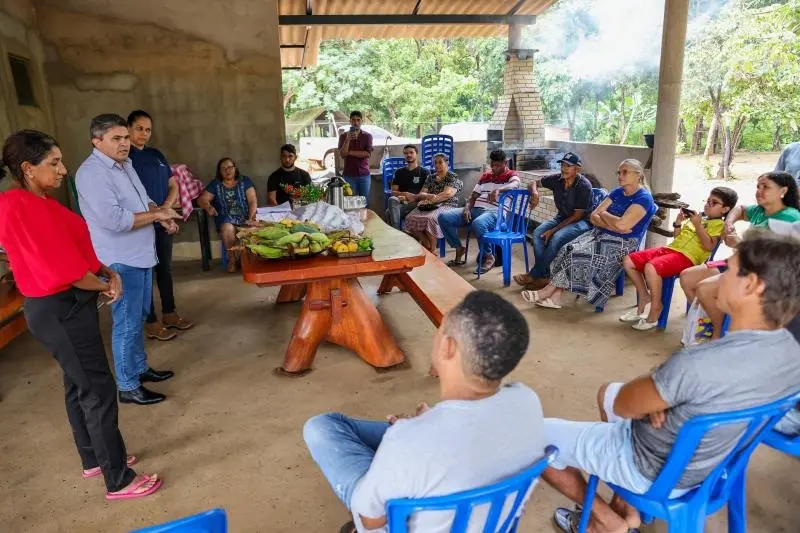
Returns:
<point x="345" y="245"/>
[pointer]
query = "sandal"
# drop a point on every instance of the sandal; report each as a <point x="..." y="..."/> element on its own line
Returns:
<point x="634" y="315"/>
<point x="96" y="471"/>
<point x="568" y="520"/>
<point x="530" y="296"/>
<point x="522" y="279"/>
<point x="548" y="303"/>
<point x="130" y="492"/>
<point x="457" y="262"/>
<point x="644" y="325"/>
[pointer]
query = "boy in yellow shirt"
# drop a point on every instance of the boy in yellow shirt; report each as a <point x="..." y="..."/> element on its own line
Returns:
<point x="694" y="241"/>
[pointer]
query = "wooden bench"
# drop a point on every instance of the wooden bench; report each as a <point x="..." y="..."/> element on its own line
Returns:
<point x="12" y="321"/>
<point x="434" y="286"/>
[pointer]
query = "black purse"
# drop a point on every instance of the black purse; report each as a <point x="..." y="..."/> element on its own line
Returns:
<point x="428" y="207"/>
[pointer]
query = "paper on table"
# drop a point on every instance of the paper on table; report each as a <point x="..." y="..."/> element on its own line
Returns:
<point x="275" y="213"/>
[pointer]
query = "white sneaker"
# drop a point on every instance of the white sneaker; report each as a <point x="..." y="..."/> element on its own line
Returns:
<point x="644" y="325"/>
<point x="634" y="316"/>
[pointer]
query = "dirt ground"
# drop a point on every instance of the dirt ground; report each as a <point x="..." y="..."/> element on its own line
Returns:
<point x="230" y="433"/>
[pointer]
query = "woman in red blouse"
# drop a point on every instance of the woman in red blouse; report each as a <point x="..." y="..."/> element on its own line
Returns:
<point x="57" y="271"/>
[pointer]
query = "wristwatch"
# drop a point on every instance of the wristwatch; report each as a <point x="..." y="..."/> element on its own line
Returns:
<point x="676" y="225"/>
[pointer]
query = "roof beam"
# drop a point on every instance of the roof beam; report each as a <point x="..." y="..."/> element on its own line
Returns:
<point x="309" y="7"/>
<point x="350" y="20"/>
<point x="514" y="9"/>
<point x="416" y="7"/>
<point x="293" y="46"/>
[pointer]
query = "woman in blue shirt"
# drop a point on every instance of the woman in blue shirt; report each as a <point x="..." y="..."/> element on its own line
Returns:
<point x="231" y="199"/>
<point x="590" y="264"/>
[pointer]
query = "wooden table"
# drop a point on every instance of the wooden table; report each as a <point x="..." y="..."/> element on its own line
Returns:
<point x="335" y="307"/>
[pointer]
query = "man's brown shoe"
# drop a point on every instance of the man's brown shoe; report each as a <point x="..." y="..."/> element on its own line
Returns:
<point x="537" y="284"/>
<point x="172" y="320"/>
<point x="156" y="331"/>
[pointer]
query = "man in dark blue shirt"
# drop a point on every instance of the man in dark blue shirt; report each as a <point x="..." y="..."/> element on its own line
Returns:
<point x="156" y="176"/>
<point x="572" y="194"/>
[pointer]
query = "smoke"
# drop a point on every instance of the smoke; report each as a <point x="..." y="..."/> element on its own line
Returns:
<point x="599" y="40"/>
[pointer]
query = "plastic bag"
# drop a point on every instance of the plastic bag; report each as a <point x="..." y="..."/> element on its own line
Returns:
<point x="698" y="326"/>
<point x="329" y="217"/>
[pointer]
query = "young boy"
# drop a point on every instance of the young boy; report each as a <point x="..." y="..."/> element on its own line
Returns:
<point x="693" y="243"/>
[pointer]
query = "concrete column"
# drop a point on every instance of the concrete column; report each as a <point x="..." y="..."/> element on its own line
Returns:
<point x="673" y="43"/>
<point x="515" y="36"/>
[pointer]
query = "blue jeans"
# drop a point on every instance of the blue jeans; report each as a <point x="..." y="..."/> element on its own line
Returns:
<point x="483" y="221"/>
<point x="127" y="331"/>
<point x="343" y="448"/>
<point x="545" y="253"/>
<point x="360" y="185"/>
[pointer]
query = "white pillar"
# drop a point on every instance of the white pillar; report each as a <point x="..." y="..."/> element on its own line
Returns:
<point x="515" y="36"/>
<point x="673" y="43"/>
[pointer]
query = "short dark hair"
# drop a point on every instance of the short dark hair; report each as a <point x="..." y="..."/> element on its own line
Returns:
<point x="102" y="123"/>
<point x="773" y="258"/>
<point x="25" y="145"/>
<point x="498" y="155"/>
<point x="491" y="332"/>
<point x="593" y="180"/>
<point x="289" y="148"/>
<point x="412" y="147"/>
<point x="136" y="115"/>
<point x="784" y="179"/>
<point x="356" y="114"/>
<point x="728" y="196"/>
<point x="218" y="174"/>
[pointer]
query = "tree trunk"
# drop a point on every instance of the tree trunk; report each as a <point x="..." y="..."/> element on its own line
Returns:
<point x="716" y="123"/>
<point x="621" y="131"/>
<point x="288" y="96"/>
<point x="776" y="137"/>
<point x="697" y="135"/>
<point x="730" y="140"/>
<point x="630" y="123"/>
<point x="682" y="132"/>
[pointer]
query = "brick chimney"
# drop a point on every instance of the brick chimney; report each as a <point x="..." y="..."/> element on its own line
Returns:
<point x="518" y="122"/>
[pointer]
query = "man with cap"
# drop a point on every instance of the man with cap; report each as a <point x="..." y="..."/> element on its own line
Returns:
<point x="572" y="194"/>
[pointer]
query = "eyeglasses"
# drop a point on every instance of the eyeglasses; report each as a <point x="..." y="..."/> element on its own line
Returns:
<point x="713" y="202"/>
<point x="625" y="171"/>
<point x="229" y="167"/>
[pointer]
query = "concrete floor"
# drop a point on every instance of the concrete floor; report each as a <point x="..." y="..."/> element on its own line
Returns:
<point x="230" y="433"/>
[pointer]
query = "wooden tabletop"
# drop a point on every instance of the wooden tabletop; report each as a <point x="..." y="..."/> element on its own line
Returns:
<point x="395" y="252"/>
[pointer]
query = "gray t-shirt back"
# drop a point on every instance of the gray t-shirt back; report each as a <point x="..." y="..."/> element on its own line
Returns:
<point x="455" y="446"/>
<point x="789" y="161"/>
<point x="743" y="369"/>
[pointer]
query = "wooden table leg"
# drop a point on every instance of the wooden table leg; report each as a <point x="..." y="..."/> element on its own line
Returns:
<point x="389" y="282"/>
<point x="291" y="293"/>
<point x="340" y="311"/>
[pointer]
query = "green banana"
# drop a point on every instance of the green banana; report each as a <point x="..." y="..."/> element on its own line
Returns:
<point x="292" y="238"/>
<point x="318" y="237"/>
<point x="316" y="247"/>
<point x="272" y="234"/>
<point x="266" y="251"/>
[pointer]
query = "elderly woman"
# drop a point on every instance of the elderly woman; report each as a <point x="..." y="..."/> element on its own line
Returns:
<point x="231" y="199"/>
<point x="58" y="272"/>
<point x="777" y="198"/>
<point x="439" y="194"/>
<point x="590" y="264"/>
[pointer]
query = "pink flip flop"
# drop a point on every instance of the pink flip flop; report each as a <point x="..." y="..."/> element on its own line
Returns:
<point x="131" y="493"/>
<point x="94" y="472"/>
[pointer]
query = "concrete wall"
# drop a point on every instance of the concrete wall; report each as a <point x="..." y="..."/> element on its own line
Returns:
<point x="19" y="37"/>
<point x="602" y="160"/>
<point x="208" y="72"/>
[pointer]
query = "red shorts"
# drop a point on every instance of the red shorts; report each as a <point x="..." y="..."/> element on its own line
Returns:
<point x="666" y="261"/>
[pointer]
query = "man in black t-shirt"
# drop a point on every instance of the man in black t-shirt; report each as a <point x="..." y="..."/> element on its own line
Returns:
<point x="406" y="184"/>
<point x="286" y="176"/>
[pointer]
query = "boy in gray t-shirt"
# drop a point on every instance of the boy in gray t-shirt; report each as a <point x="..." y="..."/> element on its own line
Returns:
<point x="758" y="362"/>
<point x="478" y="434"/>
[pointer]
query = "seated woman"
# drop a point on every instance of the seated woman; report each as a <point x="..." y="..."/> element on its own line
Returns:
<point x="590" y="264"/>
<point x="439" y="193"/>
<point x="694" y="241"/>
<point x="231" y="200"/>
<point x="776" y="199"/>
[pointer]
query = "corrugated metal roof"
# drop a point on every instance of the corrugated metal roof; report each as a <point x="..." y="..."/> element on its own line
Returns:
<point x="296" y="35"/>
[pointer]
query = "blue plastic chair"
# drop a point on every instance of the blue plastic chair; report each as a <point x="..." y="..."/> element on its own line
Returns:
<point x="443" y="246"/>
<point x="668" y="287"/>
<point x="389" y="166"/>
<point x="463" y="503"/>
<point x="783" y="443"/>
<point x="213" y="521"/>
<point x="224" y="255"/>
<point x="511" y="228"/>
<point x="620" y="289"/>
<point x="437" y="144"/>
<point x="724" y="485"/>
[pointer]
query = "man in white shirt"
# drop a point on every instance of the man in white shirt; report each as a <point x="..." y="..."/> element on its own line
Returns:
<point x="481" y="210"/>
<point x="479" y="433"/>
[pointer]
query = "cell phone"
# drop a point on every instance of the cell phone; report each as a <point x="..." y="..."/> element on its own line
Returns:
<point x="353" y="129"/>
<point x="688" y="212"/>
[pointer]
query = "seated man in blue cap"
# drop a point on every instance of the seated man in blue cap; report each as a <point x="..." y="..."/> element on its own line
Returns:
<point x="572" y="194"/>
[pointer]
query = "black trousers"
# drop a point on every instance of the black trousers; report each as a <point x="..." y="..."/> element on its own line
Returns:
<point x="67" y="325"/>
<point x="162" y="273"/>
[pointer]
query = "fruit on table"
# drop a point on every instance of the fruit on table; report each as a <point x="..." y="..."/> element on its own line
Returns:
<point x="266" y="251"/>
<point x="365" y="243"/>
<point x="292" y="238"/>
<point x="304" y="228"/>
<point x="272" y="234"/>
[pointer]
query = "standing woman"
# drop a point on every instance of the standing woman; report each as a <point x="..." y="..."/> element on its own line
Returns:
<point x="57" y="271"/>
<point x="231" y="199"/>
